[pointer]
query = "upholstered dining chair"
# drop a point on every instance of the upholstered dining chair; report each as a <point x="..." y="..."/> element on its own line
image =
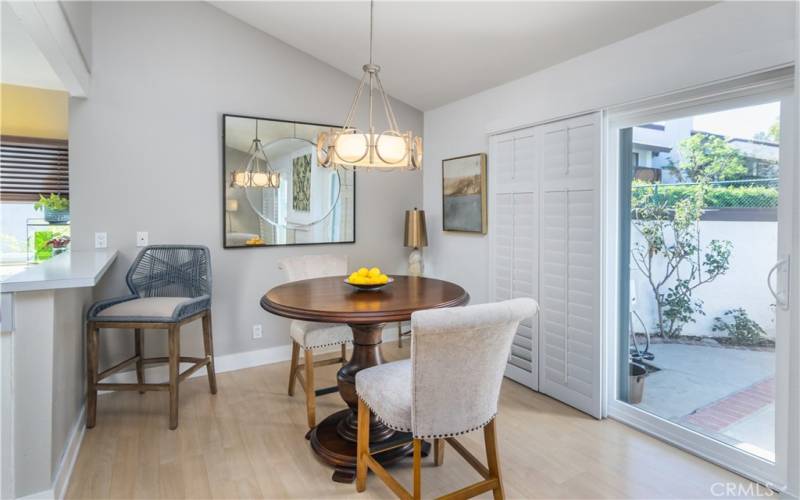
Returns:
<point x="450" y="386"/>
<point x="311" y="336"/>
<point x="170" y="286"/>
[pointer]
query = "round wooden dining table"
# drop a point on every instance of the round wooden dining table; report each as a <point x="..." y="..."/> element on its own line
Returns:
<point x="331" y="300"/>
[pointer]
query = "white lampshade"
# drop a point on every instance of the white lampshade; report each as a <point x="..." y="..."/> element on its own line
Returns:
<point x="372" y="150"/>
<point x="232" y="206"/>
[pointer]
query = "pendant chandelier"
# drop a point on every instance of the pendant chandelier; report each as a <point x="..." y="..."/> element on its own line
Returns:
<point x="253" y="175"/>
<point x="352" y="147"/>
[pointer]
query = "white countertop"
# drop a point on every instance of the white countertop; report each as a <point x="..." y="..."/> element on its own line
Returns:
<point x="75" y="269"/>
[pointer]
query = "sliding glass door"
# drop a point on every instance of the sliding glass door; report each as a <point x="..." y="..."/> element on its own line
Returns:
<point x="705" y="217"/>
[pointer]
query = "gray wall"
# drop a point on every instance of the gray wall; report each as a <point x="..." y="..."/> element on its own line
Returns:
<point x="69" y="370"/>
<point x="145" y="153"/>
<point x="703" y="47"/>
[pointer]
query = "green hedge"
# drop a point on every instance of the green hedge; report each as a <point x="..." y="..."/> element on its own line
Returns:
<point x="716" y="196"/>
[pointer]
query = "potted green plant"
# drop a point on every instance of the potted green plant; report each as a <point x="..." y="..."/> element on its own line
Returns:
<point x="56" y="208"/>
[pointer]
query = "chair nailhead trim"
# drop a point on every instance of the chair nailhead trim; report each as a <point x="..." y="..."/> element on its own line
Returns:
<point x="327" y="345"/>
<point x="427" y="436"/>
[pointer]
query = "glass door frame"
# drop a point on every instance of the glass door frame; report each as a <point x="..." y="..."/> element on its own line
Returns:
<point x="751" y="90"/>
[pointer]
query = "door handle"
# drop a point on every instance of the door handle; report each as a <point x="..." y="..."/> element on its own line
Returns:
<point x="781" y="290"/>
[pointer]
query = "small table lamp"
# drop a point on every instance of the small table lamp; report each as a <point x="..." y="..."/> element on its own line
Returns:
<point x="416" y="237"/>
<point x="231" y="206"/>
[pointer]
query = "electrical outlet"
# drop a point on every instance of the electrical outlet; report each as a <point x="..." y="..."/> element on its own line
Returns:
<point x="100" y="240"/>
<point x="141" y="239"/>
<point x="257" y="331"/>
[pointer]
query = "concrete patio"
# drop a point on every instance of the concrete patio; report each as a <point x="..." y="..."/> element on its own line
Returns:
<point x="726" y="393"/>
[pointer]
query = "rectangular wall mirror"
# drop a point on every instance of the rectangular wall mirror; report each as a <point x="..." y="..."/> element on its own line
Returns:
<point x="274" y="191"/>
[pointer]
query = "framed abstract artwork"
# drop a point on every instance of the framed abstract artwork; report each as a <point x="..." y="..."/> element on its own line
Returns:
<point x="301" y="183"/>
<point x="464" y="194"/>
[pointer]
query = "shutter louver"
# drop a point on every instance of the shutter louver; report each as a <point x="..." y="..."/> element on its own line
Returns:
<point x="30" y="167"/>
<point x="514" y="243"/>
<point x="522" y="284"/>
<point x="570" y="351"/>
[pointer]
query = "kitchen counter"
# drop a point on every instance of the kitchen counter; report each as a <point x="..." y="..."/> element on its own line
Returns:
<point x="42" y="370"/>
<point x="70" y="270"/>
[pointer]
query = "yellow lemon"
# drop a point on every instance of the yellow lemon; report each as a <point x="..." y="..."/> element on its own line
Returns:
<point x="374" y="272"/>
<point x="383" y="278"/>
<point x="352" y="277"/>
<point x="363" y="271"/>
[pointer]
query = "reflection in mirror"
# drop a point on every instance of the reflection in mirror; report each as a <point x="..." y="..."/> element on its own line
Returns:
<point x="276" y="193"/>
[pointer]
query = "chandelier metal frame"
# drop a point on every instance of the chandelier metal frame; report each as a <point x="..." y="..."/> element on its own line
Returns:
<point x="251" y="176"/>
<point x="329" y="156"/>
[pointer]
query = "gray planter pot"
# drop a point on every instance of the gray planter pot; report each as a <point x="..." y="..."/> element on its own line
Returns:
<point x="56" y="216"/>
<point x="637" y="374"/>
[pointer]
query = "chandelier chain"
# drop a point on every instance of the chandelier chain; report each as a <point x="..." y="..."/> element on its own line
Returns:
<point x="371" y="9"/>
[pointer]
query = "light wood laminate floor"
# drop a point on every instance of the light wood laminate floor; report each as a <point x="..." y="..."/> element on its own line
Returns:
<point x="248" y="442"/>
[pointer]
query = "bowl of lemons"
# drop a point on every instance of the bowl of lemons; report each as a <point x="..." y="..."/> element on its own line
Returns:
<point x="368" y="279"/>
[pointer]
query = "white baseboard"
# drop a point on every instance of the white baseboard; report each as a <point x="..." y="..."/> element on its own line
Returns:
<point x="228" y="362"/>
<point x="42" y="495"/>
<point x="69" y="456"/>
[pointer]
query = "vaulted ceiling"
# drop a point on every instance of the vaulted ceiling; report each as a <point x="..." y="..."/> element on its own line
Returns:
<point x="433" y="53"/>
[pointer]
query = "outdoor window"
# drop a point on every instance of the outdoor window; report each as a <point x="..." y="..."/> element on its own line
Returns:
<point x="30" y="167"/>
<point x="698" y="337"/>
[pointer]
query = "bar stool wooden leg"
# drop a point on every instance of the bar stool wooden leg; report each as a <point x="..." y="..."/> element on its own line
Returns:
<point x="362" y="446"/>
<point x="208" y="344"/>
<point x="438" y="451"/>
<point x="344" y="354"/>
<point x="174" y="364"/>
<point x="400" y="334"/>
<point x="293" y="366"/>
<point x="311" y="402"/>
<point x="490" y="439"/>
<point x="417" y="469"/>
<point x="91" y="371"/>
<point x="139" y="351"/>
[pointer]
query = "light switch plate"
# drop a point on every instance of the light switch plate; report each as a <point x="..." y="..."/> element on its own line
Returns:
<point x="257" y="332"/>
<point x="101" y="240"/>
<point x="141" y="239"/>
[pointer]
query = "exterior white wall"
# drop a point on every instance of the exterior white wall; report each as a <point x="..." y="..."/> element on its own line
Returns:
<point x="146" y="155"/>
<point x="722" y="41"/>
<point x="755" y="251"/>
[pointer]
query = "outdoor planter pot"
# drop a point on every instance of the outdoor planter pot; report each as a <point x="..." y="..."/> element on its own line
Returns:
<point x="637" y="374"/>
<point x="56" y="216"/>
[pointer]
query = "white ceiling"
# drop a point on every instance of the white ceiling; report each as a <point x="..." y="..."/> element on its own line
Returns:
<point x="21" y="61"/>
<point x="433" y="53"/>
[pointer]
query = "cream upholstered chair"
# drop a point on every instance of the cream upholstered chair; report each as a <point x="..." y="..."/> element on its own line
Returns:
<point x="309" y="335"/>
<point x="450" y="386"/>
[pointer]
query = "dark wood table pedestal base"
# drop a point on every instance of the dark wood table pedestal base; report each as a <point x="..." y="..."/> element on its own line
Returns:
<point x="341" y="453"/>
<point x="334" y="439"/>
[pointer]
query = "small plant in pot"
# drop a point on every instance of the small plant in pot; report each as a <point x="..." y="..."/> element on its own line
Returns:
<point x="56" y="208"/>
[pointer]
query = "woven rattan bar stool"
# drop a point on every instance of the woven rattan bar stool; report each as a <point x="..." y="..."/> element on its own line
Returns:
<point x="170" y="286"/>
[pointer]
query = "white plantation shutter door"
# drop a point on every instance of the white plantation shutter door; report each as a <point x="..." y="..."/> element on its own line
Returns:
<point x="545" y="241"/>
<point x="514" y="242"/>
<point x="570" y="368"/>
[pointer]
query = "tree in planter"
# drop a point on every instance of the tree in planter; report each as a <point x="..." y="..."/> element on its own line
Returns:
<point x="706" y="157"/>
<point x="671" y="257"/>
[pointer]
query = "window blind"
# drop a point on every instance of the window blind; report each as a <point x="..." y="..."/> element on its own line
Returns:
<point x="31" y="166"/>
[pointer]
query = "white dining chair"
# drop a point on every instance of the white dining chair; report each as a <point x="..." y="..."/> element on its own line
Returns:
<point x="450" y="386"/>
<point x="311" y="336"/>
